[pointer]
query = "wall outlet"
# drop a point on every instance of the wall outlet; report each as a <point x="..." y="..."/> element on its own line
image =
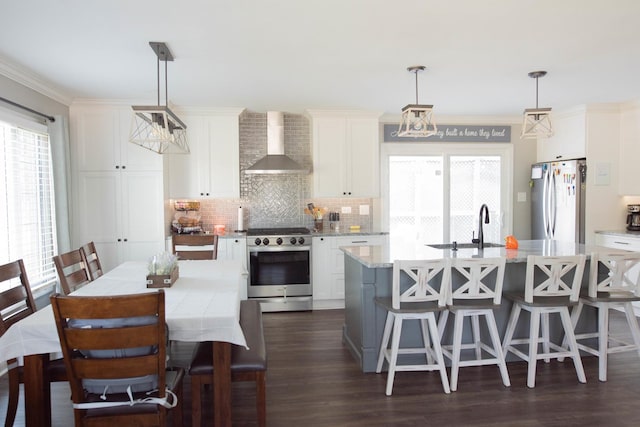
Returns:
<point x="364" y="209"/>
<point x="346" y="209"/>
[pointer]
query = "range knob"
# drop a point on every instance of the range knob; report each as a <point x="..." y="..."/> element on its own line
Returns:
<point x="292" y="240"/>
<point x="301" y="240"/>
<point x="279" y="241"/>
<point x="265" y="241"/>
<point x="257" y="241"/>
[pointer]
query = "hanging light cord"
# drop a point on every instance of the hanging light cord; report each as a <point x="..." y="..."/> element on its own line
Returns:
<point x="536" y="92"/>
<point x="416" y="73"/>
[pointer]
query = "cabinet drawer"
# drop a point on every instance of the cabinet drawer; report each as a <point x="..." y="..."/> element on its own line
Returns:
<point x="618" y="242"/>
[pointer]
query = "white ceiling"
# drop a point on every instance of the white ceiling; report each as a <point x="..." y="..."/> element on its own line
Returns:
<point x="291" y="55"/>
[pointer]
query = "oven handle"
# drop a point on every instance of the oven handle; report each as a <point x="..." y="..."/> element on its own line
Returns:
<point x="278" y="248"/>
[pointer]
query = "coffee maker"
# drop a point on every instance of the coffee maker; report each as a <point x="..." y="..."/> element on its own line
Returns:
<point x="633" y="217"/>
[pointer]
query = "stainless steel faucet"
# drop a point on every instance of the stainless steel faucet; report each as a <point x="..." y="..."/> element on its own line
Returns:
<point x="484" y="213"/>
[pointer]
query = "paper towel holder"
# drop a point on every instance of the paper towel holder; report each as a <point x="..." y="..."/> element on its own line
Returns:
<point x="240" y="228"/>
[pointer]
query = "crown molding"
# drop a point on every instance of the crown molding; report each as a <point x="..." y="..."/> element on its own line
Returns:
<point x="33" y="81"/>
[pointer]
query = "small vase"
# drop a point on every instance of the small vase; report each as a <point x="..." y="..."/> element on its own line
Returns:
<point x="317" y="225"/>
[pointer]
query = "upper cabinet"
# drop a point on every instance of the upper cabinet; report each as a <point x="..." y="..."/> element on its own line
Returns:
<point x="102" y="136"/>
<point x="212" y="169"/>
<point x="346" y="152"/>
<point x="629" y="150"/>
<point x="569" y="138"/>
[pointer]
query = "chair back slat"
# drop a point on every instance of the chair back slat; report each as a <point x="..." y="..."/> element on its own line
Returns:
<point x="428" y="281"/>
<point x="482" y="278"/>
<point x="91" y="260"/>
<point x="201" y="246"/>
<point x="72" y="271"/>
<point x="16" y="302"/>
<point x="554" y="276"/>
<point x="614" y="272"/>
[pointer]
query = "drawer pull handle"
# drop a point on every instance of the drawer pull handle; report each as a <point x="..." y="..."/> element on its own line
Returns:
<point x="360" y="241"/>
<point x="621" y="243"/>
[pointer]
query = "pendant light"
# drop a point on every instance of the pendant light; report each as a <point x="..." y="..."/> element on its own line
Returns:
<point x="157" y="128"/>
<point x="537" y="121"/>
<point x="417" y="119"/>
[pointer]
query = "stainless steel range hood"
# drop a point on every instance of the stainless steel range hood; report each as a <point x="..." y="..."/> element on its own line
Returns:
<point x="275" y="162"/>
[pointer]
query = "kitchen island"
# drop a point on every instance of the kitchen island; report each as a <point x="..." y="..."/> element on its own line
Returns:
<point x="368" y="274"/>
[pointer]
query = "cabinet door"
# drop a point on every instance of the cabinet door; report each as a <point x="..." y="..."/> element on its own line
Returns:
<point x="321" y="268"/>
<point x="237" y="250"/>
<point x="224" y="156"/>
<point x="182" y="175"/>
<point x="96" y="138"/>
<point x="629" y="152"/>
<point x="142" y="208"/>
<point x="329" y="152"/>
<point x="569" y="138"/>
<point x="362" y="168"/>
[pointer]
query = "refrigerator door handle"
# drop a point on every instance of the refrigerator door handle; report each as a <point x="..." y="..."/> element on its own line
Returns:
<point x="553" y="205"/>
<point x="545" y="204"/>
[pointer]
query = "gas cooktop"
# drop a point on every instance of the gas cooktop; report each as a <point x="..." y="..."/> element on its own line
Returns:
<point x="277" y="231"/>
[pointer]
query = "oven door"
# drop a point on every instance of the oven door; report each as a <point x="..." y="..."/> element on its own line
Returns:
<point x="279" y="272"/>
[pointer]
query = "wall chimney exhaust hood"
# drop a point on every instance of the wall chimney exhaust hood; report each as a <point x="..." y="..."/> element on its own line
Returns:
<point x="275" y="162"/>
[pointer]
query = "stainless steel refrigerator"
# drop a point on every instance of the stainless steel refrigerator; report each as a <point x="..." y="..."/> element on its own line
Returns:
<point x="558" y="200"/>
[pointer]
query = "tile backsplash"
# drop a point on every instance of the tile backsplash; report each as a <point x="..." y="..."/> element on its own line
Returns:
<point x="277" y="200"/>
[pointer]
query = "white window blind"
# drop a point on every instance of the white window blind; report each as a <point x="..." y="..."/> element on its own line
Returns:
<point x="27" y="214"/>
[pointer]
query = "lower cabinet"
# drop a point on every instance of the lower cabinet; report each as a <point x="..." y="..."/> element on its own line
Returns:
<point x="235" y="248"/>
<point x="626" y="243"/>
<point x="328" y="267"/>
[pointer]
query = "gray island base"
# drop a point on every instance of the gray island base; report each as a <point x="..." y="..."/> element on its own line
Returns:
<point x="368" y="274"/>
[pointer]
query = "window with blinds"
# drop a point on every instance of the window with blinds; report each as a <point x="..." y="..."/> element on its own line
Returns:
<point x="27" y="215"/>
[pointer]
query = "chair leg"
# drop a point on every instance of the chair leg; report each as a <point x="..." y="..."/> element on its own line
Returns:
<point x="196" y="401"/>
<point x="177" y="413"/>
<point x="393" y="359"/>
<point x="511" y="327"/>
<point x="14" y="395"/>
<point x="385" y="341"/>
<point x="633" y="325"/>
<point x="545" y="335"/>
<point x="534" y="333"/>
<point x="575" y="317"/>
<point x="457" y="348"/>
<point x="433" y="328"/>
<point x="261" y="398"/>
<point x="497" y="347"/>
<point x="442" y="323"/>
<point x="568" y="330"/>
<point x="477" y="341"/>
<point x="603" y="341"/>
<point x="426" y="341"/>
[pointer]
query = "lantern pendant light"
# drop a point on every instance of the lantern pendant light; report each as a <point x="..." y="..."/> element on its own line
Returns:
<point x="417" y="119"/>
<point x="537" y="121"/>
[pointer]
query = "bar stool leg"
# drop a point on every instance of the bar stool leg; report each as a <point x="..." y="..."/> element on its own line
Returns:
<point x="497" y="347"/>
<point x="534" y="333"/>
<point x="568" y="328"/>
<point x="385" y="341"/>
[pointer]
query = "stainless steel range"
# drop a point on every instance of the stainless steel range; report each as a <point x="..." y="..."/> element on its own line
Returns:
<point x="280" y="268"/>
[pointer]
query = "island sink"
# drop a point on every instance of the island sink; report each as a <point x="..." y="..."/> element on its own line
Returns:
<point x="463" y="245"/>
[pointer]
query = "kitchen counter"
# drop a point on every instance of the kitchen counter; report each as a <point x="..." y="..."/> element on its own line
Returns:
<point x="368" y="274"/>
<point x="621" y="233"/>
<point x="345" y="232"/>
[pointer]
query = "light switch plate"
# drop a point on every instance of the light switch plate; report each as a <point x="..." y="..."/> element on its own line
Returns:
<point x="346" y="209"/>
<point x="364" y="209"/>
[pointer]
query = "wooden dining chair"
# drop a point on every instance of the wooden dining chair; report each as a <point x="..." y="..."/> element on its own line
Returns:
<point x="114" y="349"/>
<point x="18" y="296"/>
<point x="72" y="270"/>
<point x="552" y="285"/>
<point x="201" y="246"/>
<point x="420" y="297"/>
<point x="91" y="260"/>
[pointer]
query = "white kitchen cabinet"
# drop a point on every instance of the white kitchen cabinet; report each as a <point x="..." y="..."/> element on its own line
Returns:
<point x="629" y="151"/>
<point x="234" y="248"/>
<point x="328" y="267"/>
<point x="118" y="187"/>
<point x="346" y="152"/>
<point x="569" y="138"/>
<point x="212" y="169"/>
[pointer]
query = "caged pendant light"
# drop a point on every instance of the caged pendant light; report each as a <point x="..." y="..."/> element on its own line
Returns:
<point x="157" y="128"/>
<point x="417" y="119"/>
<point x="537" y="121"/>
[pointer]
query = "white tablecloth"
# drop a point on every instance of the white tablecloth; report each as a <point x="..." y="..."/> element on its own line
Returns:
<point x="203" y="305"/>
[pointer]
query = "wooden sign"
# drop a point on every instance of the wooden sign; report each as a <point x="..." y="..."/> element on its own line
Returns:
<point x="454" y="133"/>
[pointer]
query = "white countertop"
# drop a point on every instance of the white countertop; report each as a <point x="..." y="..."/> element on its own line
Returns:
<point x="382" y="256"/>
<point x="621" y="233"/>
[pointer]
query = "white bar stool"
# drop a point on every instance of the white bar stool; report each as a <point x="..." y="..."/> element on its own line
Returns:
<point x="424" y="296"/>
<point x="545" y="293"/>
<point x="479" y="295"/>
<point x="619" y="287"/>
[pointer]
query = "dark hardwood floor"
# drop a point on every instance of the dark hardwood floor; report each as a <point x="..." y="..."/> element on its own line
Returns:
<point x="312" y="380"/>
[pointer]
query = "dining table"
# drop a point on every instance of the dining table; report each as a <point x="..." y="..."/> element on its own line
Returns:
<point x="202" y="305"/>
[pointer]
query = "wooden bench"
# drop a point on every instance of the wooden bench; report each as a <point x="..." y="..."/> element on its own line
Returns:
<point x="246" y="364"/>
